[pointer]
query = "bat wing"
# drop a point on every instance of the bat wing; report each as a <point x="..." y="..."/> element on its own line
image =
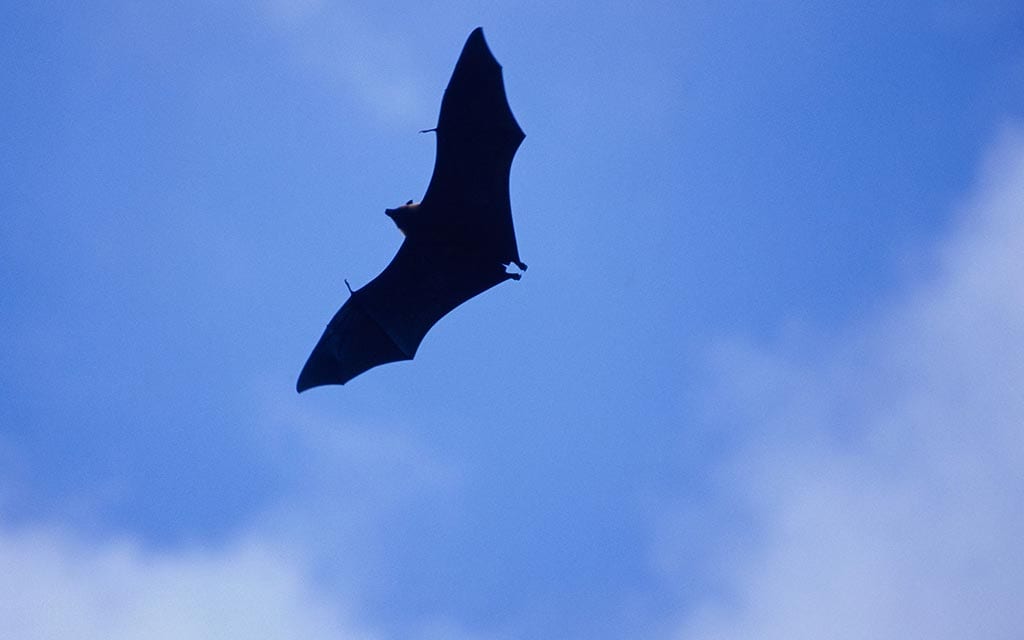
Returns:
<point x="477" y="138"/>
<point x="386" y="320"/>
<point x="352" y="343"/>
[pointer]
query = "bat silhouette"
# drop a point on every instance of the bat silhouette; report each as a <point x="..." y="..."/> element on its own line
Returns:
<point x="459" y="240"/>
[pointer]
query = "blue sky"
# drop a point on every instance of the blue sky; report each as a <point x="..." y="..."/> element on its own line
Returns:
<point x="761" y="380"/>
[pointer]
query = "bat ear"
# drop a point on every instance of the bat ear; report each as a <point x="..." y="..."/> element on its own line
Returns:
<point x="408" y="203"/>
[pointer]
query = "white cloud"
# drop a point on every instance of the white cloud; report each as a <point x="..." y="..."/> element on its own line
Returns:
<point x="55" y="586"/>
<point x="885" y="473"/>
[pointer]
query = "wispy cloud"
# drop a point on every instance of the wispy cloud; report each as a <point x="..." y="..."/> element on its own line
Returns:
<point x="340" y="45"/>
<point x="346" y="482"/>
<point x="884" y="472"/>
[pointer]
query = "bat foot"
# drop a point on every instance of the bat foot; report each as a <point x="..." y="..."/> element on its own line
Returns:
<point x="512" y="273"/>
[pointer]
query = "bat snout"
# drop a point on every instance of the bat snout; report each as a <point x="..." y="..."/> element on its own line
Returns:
<point x="408" y="207"/>
<point x="404" y="216"/>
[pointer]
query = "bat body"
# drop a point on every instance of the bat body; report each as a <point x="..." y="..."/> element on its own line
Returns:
<point x="458" y="240"/>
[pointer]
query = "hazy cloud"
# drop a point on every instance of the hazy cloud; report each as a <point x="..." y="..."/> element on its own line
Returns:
<point x="884" y="472"/>
<point x="339" y="44"/>
<point x="296" y="571"/>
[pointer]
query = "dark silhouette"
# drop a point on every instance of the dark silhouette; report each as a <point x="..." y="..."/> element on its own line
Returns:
<point x="458" y="241"/>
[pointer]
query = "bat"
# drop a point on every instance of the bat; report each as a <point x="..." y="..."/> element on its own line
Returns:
<point x="459" y="240"/>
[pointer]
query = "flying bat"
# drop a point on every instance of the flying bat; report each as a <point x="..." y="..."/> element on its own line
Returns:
<point x="459" y="241"/>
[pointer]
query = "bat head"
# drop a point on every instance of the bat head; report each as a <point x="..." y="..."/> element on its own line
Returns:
<point x="404" y="216"/>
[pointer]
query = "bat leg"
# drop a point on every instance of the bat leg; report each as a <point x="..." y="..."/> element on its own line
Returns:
<point x="521" y="265"/>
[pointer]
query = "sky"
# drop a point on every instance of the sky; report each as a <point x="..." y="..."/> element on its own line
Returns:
<point x="761" y="380"/>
